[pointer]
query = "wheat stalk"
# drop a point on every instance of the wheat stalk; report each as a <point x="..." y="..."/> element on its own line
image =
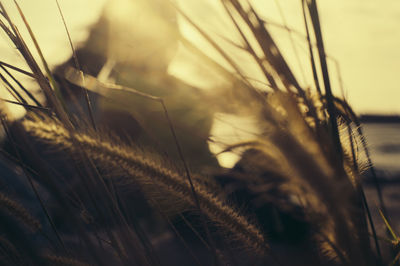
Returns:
<point x="148" y="172"/>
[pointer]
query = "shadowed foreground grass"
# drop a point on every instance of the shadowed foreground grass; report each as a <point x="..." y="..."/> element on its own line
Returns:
<point x="78" y="190"/>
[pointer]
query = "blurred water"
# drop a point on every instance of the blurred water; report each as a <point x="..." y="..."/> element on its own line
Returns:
<point x="384" y="143"/>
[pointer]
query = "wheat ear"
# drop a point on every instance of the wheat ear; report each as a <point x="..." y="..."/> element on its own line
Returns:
<point x="148" y="172"/>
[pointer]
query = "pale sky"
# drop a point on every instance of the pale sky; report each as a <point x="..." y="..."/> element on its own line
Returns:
<point x="362" y="35"/>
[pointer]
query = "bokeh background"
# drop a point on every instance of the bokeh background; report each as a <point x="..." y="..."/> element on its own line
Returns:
<point x="361" y="37"/>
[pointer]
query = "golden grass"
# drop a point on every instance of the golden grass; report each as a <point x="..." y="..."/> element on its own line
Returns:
<point x="152" y="176"/>
<point x="300" y="143"/>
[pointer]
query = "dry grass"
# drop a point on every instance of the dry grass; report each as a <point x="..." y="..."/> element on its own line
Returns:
<point x="15" y="209"/>
<point x="151" y="176"/>
<point x="87" y="216"/>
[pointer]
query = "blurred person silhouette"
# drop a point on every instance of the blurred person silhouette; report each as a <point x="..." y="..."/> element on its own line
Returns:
<point x="132" y="45"/>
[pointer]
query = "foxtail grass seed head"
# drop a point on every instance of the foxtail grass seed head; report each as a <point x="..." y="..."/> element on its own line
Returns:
<point x="19" y="212"/>
<point x="151" y="175"/>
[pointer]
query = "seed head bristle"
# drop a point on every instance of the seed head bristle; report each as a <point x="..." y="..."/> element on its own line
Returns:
<point x="149" y="173"/>
<point x="17" y="210"/>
